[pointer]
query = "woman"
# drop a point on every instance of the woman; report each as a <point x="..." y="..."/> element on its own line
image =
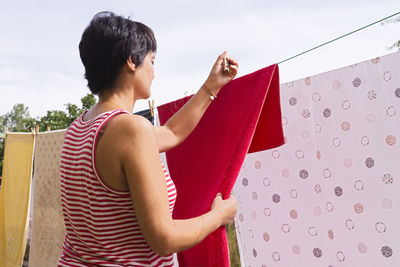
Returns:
<point x="117" y="198"/>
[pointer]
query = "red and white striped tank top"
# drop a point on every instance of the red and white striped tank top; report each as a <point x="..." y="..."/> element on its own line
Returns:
<point x="101" y="225"/>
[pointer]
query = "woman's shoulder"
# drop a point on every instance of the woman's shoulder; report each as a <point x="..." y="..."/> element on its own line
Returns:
<point x="127" y="125"/>
<point x="129" y="121"/>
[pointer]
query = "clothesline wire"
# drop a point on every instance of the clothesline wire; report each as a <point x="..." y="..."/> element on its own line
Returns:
<point x="333" y="40"/>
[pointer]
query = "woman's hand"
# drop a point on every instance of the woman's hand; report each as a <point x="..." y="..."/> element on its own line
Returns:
<point x="226" y="208"/>
<point x="217" y="77"/>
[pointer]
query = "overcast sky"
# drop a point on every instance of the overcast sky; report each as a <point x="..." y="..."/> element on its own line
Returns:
<point x="40" y="64"/>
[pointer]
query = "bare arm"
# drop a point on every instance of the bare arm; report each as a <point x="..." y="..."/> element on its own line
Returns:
<point x="138" y="154"/>
<point x="179" y="126"/>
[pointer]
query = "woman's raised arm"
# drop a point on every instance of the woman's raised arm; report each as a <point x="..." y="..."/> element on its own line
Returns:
<point x="179" y="126"/>
<point x="138" y="153"/>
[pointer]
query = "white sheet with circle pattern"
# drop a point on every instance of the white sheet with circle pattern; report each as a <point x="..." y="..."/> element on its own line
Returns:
<point x="331" y="195"/>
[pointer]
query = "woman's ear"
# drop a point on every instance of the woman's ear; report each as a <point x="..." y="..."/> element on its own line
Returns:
<point x="130" y="64"/>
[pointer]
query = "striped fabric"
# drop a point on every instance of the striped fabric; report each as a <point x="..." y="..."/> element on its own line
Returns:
<point x="101" y="225"/>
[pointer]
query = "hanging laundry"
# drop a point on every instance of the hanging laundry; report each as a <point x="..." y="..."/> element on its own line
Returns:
<point x="48" y="229"/>
<point x="246" y="117"/>
<point x="330" y="195"/>
<point x="14" y="197"/>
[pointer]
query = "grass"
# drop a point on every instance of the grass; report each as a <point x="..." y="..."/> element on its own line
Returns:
<point x="233" y="246"/>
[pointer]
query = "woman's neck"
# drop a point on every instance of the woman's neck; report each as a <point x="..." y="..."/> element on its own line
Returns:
<point x="117" y="98"/>
<point x="112" y="99"/>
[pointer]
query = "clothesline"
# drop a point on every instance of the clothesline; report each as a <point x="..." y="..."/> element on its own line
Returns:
<point x="331" y="41"/>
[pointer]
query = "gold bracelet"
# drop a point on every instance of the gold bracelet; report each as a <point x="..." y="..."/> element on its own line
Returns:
<point x="205" y="88"/>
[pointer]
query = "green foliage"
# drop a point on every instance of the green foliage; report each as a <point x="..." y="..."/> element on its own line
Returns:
<point x="1" y="156"/>
<point x="59" y="119"/>
<point x="54" y="119"/>
<point x="15" y="119"/>
<point x="233" y="245"/>
<point x="88" y="101"/>
<point x="19" y="120"/>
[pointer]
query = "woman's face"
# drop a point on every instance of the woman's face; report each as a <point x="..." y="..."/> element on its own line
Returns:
<point x="144" y="77"/>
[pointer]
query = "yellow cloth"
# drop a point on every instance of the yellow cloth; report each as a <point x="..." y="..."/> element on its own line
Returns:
<point x="14" y="198"/>
<point x="48" y="228"/>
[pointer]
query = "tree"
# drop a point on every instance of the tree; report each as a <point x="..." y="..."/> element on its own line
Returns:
<point x="58" y="119"/>
<point x="15" y="119"/>
<point x="88" y="101"/>
<point x="19" y="120"/>
<point x="54" y="120"/>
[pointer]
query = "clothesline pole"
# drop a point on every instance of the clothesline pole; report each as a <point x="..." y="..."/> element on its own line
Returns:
<point x="340" y="37"/>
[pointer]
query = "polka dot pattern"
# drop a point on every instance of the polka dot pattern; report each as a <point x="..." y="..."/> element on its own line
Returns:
<point x="329" y="196"/>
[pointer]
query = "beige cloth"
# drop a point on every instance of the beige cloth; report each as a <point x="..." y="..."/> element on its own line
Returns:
<point x="48" y="225"/>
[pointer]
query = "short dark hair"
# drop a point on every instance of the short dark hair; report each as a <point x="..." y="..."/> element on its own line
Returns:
<point x="107" y="42"/>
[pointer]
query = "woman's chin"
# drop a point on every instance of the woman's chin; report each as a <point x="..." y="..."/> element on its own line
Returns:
<point x="145" y="96"/>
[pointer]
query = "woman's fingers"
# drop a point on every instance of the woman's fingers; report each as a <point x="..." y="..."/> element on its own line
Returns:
<point x="220" y="195"/>
<point x="220" y="57"/>
<point x="217" y="200"/>
<point x="232" y="66"/>
<point x="232" y="61"/>
<point x="225" y="69"/>
<point x="220" y="60"/>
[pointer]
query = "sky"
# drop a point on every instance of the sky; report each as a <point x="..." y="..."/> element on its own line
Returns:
<point x="41" y="68"/>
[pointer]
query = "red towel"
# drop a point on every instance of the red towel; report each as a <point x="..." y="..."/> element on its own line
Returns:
<point x="245" y="118"/>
